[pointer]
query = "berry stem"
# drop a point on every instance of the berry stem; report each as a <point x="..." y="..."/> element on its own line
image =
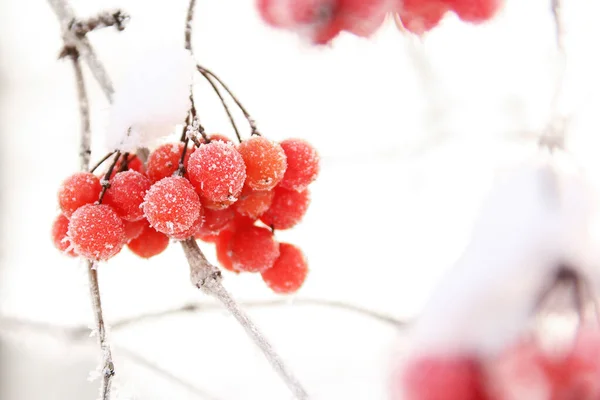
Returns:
<point x="99" y="163"/>
<point x="188" y="24"/>
<point x="223" y="102"/>
<point x="80" y="46"/>
<point x="205" y="71"/>
<point x="207" y="278"/>
<point x="116" y="18"/>
<point x="105" y="182"/>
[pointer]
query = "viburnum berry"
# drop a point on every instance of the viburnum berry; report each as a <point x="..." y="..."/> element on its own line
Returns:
<point x="216" y="136"/>
<point x="217" y="171"/>
<point x="149" y="243"/>
<point x="302" y="164"/>
<point x="253" y="204"/>
<point x="217" y="205"/>
<point x="59" y="235"/>
<point x="133" y="164"/>
<point x="287" y="209"/>
<point x="77" y="190"/>
<point x="172" y="205"/>
<point x="206" y="237"/>
<point x="253" y="249"/>
<point x="188" y="233"/>
<point x="134" y="229"/>
<point x="475" y="11"/>
<point x="164" y="160"/>
<point x="216" y="220"/>
<point x="289" y="270"/>
<point x="420" y="16"/>
<point x="222" y="249"/>
<point x="126" y="194"/>
<point x="265" y="162"/>
<point x="96" y="232"/>
<point x="440" y="378"/>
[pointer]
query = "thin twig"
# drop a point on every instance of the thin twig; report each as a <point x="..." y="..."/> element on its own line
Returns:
<point x="66" y="15"/>
<point x="251" y="122"/>
<point x="207" y="278"/>
<point x="223" y="102"/>
<point x="99" y="163"/>
<point x="84" y="112"/>
<point x="188" y="25"/>
<point x="105" y="181"/>
<point x="103" y="20"/>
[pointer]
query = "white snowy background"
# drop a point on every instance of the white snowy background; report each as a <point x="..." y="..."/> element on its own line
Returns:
<point x="407" y="155"/>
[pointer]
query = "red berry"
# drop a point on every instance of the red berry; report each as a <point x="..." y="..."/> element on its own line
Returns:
<point x="149" y="243"/>
<point x="134" y="229"/>
<point x="215" y="137"/>
<point x="188" y="233"/>
<point x="217" y="205"/>
<point x="206" y="237"/>
<point x="441" y="378"/>
<point x="164" y="161"/>
<point x="287" y="209"/>
<point x="171" y="205"/>
<point x="289" y="271"/>
<point x="253" y="204"/>
<point x="222" y="248"/>
<point x="265" y="162"/>
<point x="253" y="249"/>
<point x="217" y="171"/>
<point x="475" y="11"/>
<point x="126" y="194"/>
<point x="216" y="220"/>
<point x="419" y="16"/>
<point x="302" y="164"/>
<point x="59" y="235"/>
<point x="77" y="190"/>
<point x="96" y="232"/>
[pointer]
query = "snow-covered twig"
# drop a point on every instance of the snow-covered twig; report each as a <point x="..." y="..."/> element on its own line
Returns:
<point x="207" y="278"/>
<point x="103" y="20"/>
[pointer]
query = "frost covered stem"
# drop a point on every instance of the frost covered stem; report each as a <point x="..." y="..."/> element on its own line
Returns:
<point x="251" y="122"/>
<point x="108" y="368"/>
<point x="84" y="112"/>
<point x="106" y="178"/>
<point x="207" y="278"/>
<point x="66" y="15"/>
<point x="103" y="20"/>
<point x="188" y="25"/>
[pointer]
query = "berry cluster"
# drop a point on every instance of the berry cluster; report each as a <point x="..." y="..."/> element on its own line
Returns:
<point x="234" y="196"/>
<point x="523" y="371"/>
<point x="323" y="20"/>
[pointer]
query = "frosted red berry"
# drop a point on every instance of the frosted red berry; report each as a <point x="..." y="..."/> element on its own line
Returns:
<point x="440" y="377"/>
<point x="302" y="164"/>
<point x="475" y="11"/>
<point x="253" y="204"/>
<point x="126" y="194"/>
<point x="215" y="137"/>
<point x="164" y="160"/>
<point x="288" y="272"/>
<point x="77" y="190"/>
<point x="96" y="232"/>
<point x="287" y="209"/>
<point x="206" y="237"/>
<point x="59" y="235"/>
<point x="419" y="16"/>
<point x="133" y="164"/>
<point x="265" y="162"/>
<point x="134" y="229"/>
<point x="216" y="220"/>
<point x="171" y="205"/>
<point x="217" y="171"/>
<point x="149" y="243"/>
<point x="188" y="233"/>
<point x="253" y="249"/>
<point x="217" y="205"/>
<point x="222" y="248"/>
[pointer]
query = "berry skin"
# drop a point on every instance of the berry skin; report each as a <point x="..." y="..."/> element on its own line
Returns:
<point x="216" y="220"/>
<point x="217" y="171"/>
<point x="222" y="248"/>
<point x="302" y="164"/>
<point x="217" y="205"/>
<point x="164" y="161"/>
<point x="59" y="235"/>
<point x="77" y="190"/>
<point x="96" y="232"/>
<point x="253" y="249"/>
<point x="287" y="209"/>
<point x="188" y="233"/>
<point x="419" y="16"/>
<point x="265" y="162"/>
<point x="289" y="271"/>
<point x="134" y="229"/>
<point x="215" y="137"/>
<point x="206" y="237"/>
<point x="149" y="243"/>
<point x="253" y="204"/>
<point x="126" y="194"/>
<point x="171" y="205"/>
<point x="441" y="378"/>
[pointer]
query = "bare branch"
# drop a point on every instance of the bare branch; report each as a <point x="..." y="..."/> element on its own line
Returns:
<point x="188" y="25"/>
<point x="103" y="20"/>
<point x="207" y="278"/>
<point x="66" y="15"/>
